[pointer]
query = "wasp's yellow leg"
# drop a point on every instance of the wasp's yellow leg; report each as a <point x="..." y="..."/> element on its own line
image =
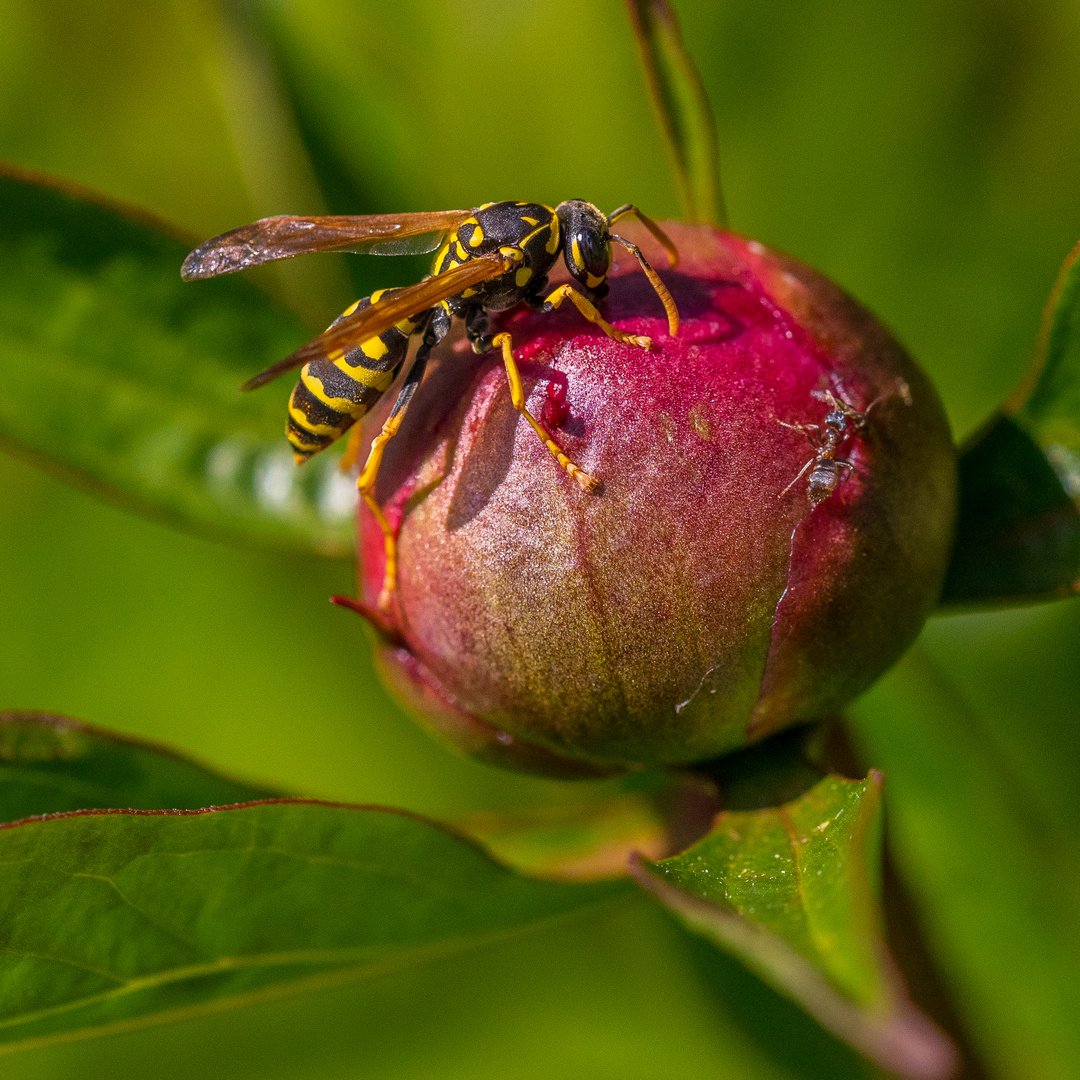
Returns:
<point x="366" y="481"/>
<point x="568" y="292"/>
<point x="352" y="449"/>
<point x="365" y="484"/>
<point x="517" y="395"/>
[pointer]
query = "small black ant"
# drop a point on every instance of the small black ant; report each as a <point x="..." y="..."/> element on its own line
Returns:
<point x="826" y="469"/>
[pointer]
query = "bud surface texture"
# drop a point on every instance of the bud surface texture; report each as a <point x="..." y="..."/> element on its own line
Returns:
<point x="691" y="605"/>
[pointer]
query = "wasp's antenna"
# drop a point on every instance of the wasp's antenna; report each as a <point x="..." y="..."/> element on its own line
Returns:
<point x="654" y="280"/>
<point x="662" y="238"/>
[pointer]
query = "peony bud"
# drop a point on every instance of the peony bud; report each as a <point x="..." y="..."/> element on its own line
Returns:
<point x="736" y="572"/>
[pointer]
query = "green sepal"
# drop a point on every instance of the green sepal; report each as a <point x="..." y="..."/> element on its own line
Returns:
<point x="590" y="837"/>
<point x="792" y="892"/>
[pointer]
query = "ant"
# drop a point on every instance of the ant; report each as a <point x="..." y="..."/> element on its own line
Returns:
<point x="826" y="469"/>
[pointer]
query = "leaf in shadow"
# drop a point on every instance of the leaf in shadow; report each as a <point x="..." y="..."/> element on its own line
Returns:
<point x="51" y="764"/>
<point x="111" y="920"/>
<point x="1017" y="530"/>
<point x="791" y="892"/>
<point x="119" y="377"/>
<point x="1018" y="526"/>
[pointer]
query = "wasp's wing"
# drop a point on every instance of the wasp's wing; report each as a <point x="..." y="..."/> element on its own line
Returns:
<point x="418" y="244"/>
<point x="369" y="322"/>
<point x="283" y="237"/>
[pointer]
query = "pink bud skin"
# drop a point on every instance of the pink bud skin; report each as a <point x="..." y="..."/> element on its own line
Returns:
<point x="891" y="534"/>
<point x="417" y="691"/>
<point x="688" y="607"/>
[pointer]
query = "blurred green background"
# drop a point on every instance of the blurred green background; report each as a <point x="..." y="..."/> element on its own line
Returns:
<point x="924" y="153"/>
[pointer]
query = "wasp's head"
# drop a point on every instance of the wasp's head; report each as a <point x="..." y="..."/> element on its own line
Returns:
<point x="587" y="240"/>
<point x="586" y="244"/>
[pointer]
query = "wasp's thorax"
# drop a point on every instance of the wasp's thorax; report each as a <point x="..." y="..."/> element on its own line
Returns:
<point x="586" y="243"/>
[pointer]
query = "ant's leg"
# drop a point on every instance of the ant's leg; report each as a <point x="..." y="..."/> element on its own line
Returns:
<point x="517" y="395"/>
<point x="900" y="389"/>
<point x="845" y="464"/>
<point x="811" y="431"/>
<point x="802" y="472"/>
<point x="564" y="292"/>
<point x="438" y="325"/>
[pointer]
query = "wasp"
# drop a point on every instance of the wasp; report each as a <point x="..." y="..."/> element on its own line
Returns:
<point x="826" y="469"/>
<point x="489" y="259"/>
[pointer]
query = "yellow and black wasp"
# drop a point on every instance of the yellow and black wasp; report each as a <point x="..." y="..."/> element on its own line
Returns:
<point x="491" y="258"/>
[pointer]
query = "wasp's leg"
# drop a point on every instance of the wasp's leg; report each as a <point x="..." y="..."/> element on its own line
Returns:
<point x="477" y="325"/>
<point x="352" y="449"/>
<point x="366" y="481"/>
<point x="517" y="395"/>
<point x="534" y="297"/>
<point x="564" y="292"/>
<point x="437" y="327"/>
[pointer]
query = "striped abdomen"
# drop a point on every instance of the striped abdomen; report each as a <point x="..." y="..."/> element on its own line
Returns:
<point x="333" y="394"/>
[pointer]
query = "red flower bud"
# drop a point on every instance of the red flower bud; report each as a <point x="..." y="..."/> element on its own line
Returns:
<point x="778" y="488"/>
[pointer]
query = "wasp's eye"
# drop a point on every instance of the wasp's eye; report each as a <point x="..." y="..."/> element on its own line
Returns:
<point x="586" y="242"/>
<point x="595" y="250"/>
<point x="590" y="257"/>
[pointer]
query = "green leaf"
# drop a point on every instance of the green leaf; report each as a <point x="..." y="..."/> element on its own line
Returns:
<point x="682" y="109"/>
<point x="1047" y="403"/>
<point x="50" y="764"/>
<point x="120" y="377"/>
<point x="112" y="920"/>
<point x="792" y="892"/>
<point x="1018" y="525"/>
